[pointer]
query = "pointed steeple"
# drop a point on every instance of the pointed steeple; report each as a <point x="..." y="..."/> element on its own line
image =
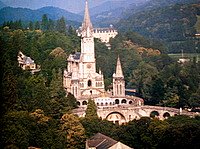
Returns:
<point x="119" y="72"/>
<point x="87" y="28"/>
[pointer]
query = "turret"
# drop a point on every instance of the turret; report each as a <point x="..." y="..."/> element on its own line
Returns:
<point x="118" y="81"/>
<point x="118" y="73"/>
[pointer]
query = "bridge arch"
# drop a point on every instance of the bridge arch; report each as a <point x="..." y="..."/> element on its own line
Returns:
<point x="154" y="114"/>
<point x="166" y="115"/>
<point x="116" y="117"/>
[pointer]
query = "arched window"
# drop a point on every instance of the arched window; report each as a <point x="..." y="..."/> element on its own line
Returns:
<point x="106" y="104"/>
<point x="130" y="102"/>
<point x="76" y="91"/>
<point x="120" y="89"/>
<point x="89" y="83"/>
<point x="78" y="103"/>
<point x="116" y="101"/>
<point x="84" y="103"/>
<point x="123" y="100"/>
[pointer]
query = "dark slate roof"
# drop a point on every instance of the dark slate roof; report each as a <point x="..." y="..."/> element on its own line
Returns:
<point x="101" y="141"/>
<point x="28" y="60"/>
<point x="77" y="55"/>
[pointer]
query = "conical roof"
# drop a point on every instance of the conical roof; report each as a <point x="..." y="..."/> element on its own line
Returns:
<point x="86" y="22"/>
<point x="119" y="72"/>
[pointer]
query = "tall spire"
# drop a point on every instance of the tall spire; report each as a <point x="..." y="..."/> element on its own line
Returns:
<point x="87" y="25"/>
<point x="119" y="72"/>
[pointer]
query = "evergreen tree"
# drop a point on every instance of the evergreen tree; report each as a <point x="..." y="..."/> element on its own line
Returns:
<point x="61" y="25"/>
<point x="56" y="87"/>
<point x="91" y="111"/>
<point x="51" y="25"/>
<point x="9" y="88"/>
<point x="71" y="31"/>
<point x="44" y="22"/>
<point x="31" y="25"/>
<point x="71" y="101"/>
<point x="37" y="25"/>
<point x="19" y="24"/>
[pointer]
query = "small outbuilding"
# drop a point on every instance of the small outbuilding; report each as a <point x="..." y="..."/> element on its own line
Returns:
<point x="100" y="141"/>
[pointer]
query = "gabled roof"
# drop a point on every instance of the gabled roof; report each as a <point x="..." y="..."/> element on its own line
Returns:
<point x="77" y="55"/>
<point x="23" y="59"/>
<point x="28" y="60"/>
<point x="100" y="141"/>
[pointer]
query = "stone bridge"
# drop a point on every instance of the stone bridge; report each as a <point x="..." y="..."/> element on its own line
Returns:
<point x="122" y="114"/>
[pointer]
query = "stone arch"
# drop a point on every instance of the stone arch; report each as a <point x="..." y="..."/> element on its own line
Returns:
<point x="78" y="103"/>
<point x="102" y="104"/>
<point x="89" y="83"/>
<point x="154" y="114"/>
<point x="116" y="117"/>
<point x="116" y="101"/>
<point x="166" y="115"/>
<point x="123" y="101"/>
<point x="106" y="104"/>
<point x="84" y="102"/>
<point x="130" y="102"/>
<point x="97" y="104"/>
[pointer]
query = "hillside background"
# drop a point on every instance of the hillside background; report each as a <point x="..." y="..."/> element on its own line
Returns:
<point x="173" y="22"/>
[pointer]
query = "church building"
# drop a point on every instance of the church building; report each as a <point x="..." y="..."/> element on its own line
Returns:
<point x="84" y="82"/>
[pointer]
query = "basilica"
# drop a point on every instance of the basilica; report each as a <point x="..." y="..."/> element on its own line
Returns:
<point x="84" y="82"/>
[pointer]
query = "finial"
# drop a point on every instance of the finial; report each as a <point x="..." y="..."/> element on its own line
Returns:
<point x="87" y="28"/>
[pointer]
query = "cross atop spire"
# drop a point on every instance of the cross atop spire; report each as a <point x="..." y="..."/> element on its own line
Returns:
<point x="87" y="25"/>
<point x="119" y="72"/>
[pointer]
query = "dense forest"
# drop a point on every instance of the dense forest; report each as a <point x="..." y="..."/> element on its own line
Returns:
<point x="173" y="22"/>
<point x="36" y="111"/>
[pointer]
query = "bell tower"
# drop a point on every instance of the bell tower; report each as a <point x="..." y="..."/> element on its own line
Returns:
<point x="87" y="39"/>
<point x="81" y="78"/>
<point x="87" y="45"/>
<point x="118" y="81"/>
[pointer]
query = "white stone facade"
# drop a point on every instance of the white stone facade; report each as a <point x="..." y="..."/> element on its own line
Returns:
<point x="81" y="79"/>
<point x="104" y="34"/>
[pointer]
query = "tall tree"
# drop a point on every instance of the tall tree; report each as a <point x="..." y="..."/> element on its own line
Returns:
<point x="74" y="131"/>
<point x="61" y="25"/>
<point x="51" y="25"/>
<point x="56" y="86"/>
<point x="37" y="25"/>
<point x="91" y="111"/>
<point x="31" y="25"/>
<point x="44" y="22"/>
